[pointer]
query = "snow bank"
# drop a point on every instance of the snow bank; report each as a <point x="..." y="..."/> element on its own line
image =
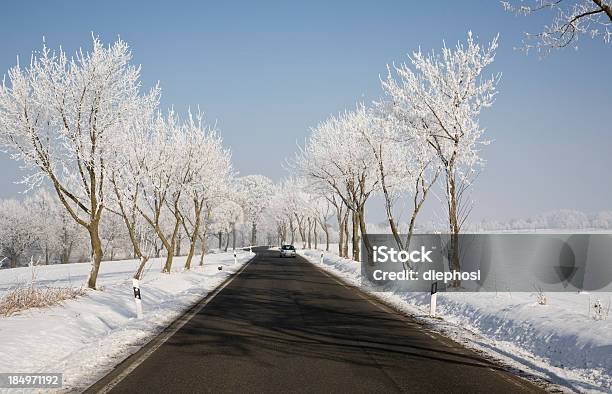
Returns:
<point x="86" y="337"/>
<point x="559" y="342"/>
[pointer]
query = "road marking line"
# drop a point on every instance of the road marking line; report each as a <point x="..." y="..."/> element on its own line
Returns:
<point x="165" y="335"/>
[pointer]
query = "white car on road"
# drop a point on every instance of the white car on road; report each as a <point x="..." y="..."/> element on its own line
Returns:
<point x="287" y="251"/>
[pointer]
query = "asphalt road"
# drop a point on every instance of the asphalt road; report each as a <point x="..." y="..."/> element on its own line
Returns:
<point x="282" y="325"/>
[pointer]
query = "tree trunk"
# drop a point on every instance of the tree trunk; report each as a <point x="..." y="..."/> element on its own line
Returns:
<point x="202" y="236"/>
<point x="254" y="234"/>
<point x="355" y="235"/>
<point x="309" y="233"/>
<point x="141" y="267"/>
<point x="202" y="249"/>
<point x="325" y="229"/>
<point x="346" y="234"/>
<point x="387" y="198"/>
<point x="179" y="240"/>
<point x="292" y="230"/>
<point x="394" y="230"/>
<point x="364" y="235"/>
<point x="192" y="246"/>
<point x="193" y="238"/>
<point x="171" y="246"/>
<point x="302" y="232"/>
<point x="417" y="204"/>
<point x="168" y="264"/>
<point x="135" y="240"/>
<point x="453" y="252"/>
<point x="233" y="236"/>
<point x="411" y="228"/>
<point x="227" y="237"/>
<point x="66" y="248"/>
<point x="340" y="231"/>
<point x="284" y="234"/>
<point x="96" y="254"/>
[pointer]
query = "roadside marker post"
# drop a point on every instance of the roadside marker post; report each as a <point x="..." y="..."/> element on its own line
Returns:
<point x="321" y="257"/>
<point x="137" y="297"/>
<point x="235" y="258"/>
<point x="433" y="299"/>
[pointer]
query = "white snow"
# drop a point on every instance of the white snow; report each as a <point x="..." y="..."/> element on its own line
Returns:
<point x="558" y="342"/>
<point x="84" y="338"/>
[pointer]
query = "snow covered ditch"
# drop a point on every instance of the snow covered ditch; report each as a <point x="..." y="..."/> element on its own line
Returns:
<point x="560" y="342"/>
<point x="85" y="337"/>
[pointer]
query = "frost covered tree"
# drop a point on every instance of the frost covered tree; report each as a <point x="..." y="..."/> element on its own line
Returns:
<point x="47" y="211"/>
<point x="206" y="175"/>
<point x="571" y="19"/>
<point x="405" y="166"/>
<point x="602" y="220"/>
<point x="204" y="231"/>
<point x="161" y="183"/>
<point x="441" y="96"/>
<point x="18" y="230"/>
<point x="278" y="213"/>
<point x="271" y="226"/>
<point x="342" y="217"/>
<point x="297" y="206"/>
<point x="287" y="209"/>
<point x="132" y="158"/>
<point x="73" y="237"/>
<point x="295" y="209"/>
<point x="336" y="158"/>
<point x="175" y="172"/>
<point x="58" y="117"/>
<point x="227" y="216"/>
<point x="323" y="211"/>
<point x="254" y="194"/>
<point x="113" y="235"/>
<point x="54" y="233"/>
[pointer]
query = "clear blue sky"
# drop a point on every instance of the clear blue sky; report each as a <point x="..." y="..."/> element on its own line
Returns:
<point x="269" y="70"/>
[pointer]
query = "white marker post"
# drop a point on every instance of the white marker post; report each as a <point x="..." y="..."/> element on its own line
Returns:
<point x="235" y="258"/>
<point x="137" y="297"/>
<point x="433" y="299"/>
<point x="321" y="257"/>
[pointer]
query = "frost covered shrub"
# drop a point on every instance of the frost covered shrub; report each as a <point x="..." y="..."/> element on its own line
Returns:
<point x="26" y="297"/>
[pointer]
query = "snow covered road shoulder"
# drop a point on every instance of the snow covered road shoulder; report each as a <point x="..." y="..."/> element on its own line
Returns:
<point x="86" y="337"/>
<point x="560" y="342"/>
